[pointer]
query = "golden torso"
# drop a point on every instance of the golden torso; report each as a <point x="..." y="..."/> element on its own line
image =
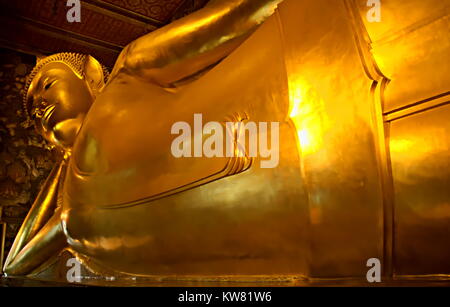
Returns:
<point x="132" y="206"/>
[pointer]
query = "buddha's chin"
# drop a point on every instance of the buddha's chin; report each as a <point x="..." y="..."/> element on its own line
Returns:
<point x="64" y="133"/>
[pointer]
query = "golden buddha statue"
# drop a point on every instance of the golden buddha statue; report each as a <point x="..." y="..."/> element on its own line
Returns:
<point x="132" y="164"/>
<point x="124" y="204"/>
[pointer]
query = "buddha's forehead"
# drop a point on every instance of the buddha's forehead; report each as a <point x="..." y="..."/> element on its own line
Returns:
<point x="50" y="72"/>
<point x="55" y="70"/>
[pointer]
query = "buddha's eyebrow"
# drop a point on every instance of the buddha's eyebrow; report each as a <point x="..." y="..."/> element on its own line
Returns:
<point x="42" y="81"/>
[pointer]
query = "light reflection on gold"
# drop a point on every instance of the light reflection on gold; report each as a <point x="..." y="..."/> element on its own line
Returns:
<point x="415" y="149"/>
<point x="306" y="112"/>
<point x="420" y="156"/>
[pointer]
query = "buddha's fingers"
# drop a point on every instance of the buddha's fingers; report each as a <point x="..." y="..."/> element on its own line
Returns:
<point x="42" y="209"/>
<point x="49" y="241"/>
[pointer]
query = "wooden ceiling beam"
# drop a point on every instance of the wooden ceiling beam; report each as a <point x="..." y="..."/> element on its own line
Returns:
<point x="66" y="35"/>
<point x="115" y="11"/>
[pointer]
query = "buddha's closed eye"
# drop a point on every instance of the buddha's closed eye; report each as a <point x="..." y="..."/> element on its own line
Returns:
<point x="49" y="85"/>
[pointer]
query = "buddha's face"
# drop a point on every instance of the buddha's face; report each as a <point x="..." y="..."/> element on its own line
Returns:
<point x="59" y="100"/>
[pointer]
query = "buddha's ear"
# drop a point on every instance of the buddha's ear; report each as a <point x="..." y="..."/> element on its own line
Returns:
<point x="93" y="73"/>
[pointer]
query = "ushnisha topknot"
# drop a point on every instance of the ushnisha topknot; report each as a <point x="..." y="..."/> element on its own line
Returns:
<point x="73" y="60"/>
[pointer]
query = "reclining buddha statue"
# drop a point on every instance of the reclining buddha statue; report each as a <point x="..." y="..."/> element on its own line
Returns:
<point x="110" y="199"/>
<point x="124" y="204"/>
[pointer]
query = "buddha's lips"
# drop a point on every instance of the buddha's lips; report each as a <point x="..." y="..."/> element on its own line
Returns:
<point x="47" y="113"/>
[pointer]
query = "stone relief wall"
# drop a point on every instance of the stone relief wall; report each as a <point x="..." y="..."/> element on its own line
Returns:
<point x="24" y="160"/>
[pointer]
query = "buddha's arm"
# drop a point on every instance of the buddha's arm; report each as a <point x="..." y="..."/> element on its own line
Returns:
<point x="48" y="241"/>
<point x="194" y="42"/>
<point x="41" y="211"/>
